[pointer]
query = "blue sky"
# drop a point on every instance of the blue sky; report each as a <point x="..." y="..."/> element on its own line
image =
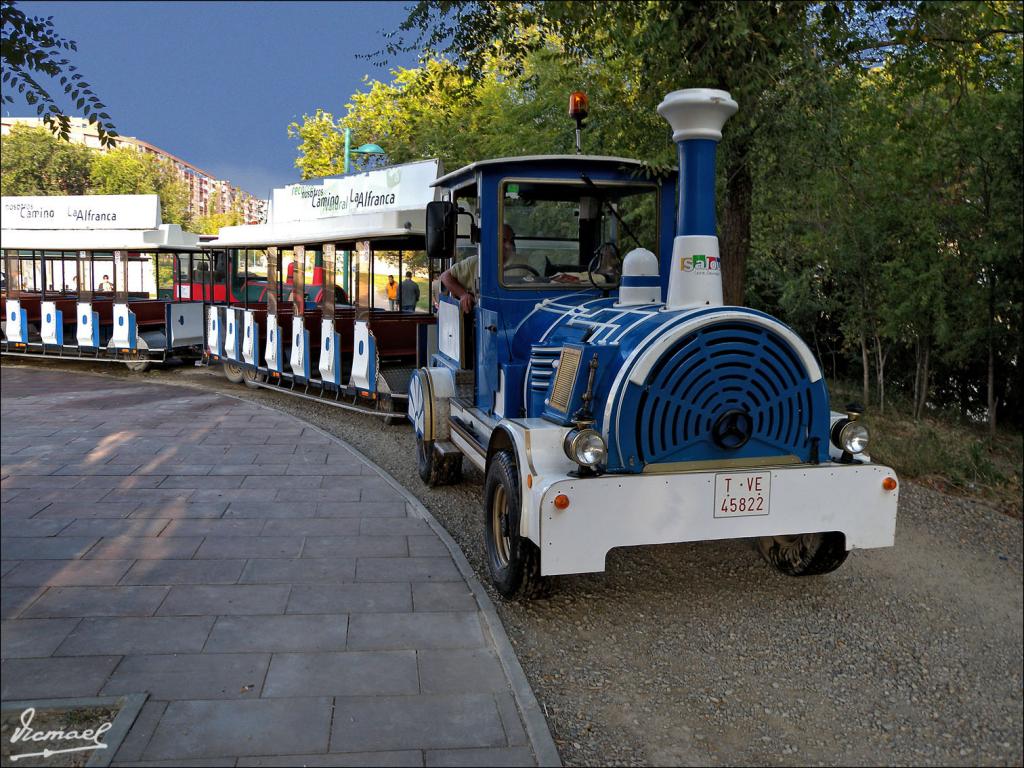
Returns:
<point x="217" y="83"/>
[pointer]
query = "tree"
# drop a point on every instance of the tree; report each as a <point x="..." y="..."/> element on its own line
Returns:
<point x="30" y="46"/>
<point x="210" y="223"/>
<point x="127" y="171"/>
<point x="34" y="162"/>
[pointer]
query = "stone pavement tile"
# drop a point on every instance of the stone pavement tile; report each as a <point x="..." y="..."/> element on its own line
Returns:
<point x="88" y="468"/>
<point x="204" y="762"/>
<point x="23" y="528"/>
<point x="409" y="722"/>
<point x="152" y="634"/>
<point x="10" y="510"/>
<point x="218" y="481"/>
<point x="282" y="482"/>
<point x="248" y="527"/>
<point x="132" y="481"/>
<point x="270" y="509"/>
<point x="386" y="526"/>
<point x="248" y="469"/>
<point x="258" y="727"/>
<point x="331" y="469"/>
<point x="337" y="491"/>
<point x="44" y="482"/>
<point x="6" y="566"/>
<point x="224" y="547"/>
<point x="329" y="570"/>
<point x="141" y="732"/>
<point x="498" y="757"/>
<point x="223" y="600"/>
<point x="383" y="597"/>
<point x="399" y="759"/>
<point x="30" y="638"/>
<point x="376" y="488"/>
<point x="393" y="631"/>
<point x="96" y="601"/>
<point x="312" y="526"/>
<point x="462" y="671"/>
<point x="55" y="678"/>
<point x="111" y="528"/>
<point x="341" y="674"/>
<point x="191" y="676"/>
<point x="88" y="509"/>
<point x="149" y="496"/>
<point x="241" y="495"/>
<point x="53" y="548"/>
<point x="181" y="509"/>
<point x="184" y="572"/>
<point x="146" y="548"/>
<point x="278" y="634"/>
<point x="67" y="573"/>
<point x="14" y="600"/>
<point x="427" y="546"/>
<point x="411" y="569"/>
<point x="510" y="718"/>
<point x="168" y="467"/>
<point x="355" y="546"/>
<point x="361" y="509"/>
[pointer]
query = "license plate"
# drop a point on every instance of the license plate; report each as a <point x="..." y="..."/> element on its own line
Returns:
<point x="742" y="494"/>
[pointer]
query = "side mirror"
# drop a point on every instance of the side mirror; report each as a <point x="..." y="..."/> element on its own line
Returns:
<point x="442" y="220"/>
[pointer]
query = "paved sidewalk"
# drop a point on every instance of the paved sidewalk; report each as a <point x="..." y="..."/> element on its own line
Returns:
<point x="279" y="600"/>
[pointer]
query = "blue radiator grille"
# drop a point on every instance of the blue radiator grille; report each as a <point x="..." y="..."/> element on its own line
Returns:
<point x="723" y="367"/>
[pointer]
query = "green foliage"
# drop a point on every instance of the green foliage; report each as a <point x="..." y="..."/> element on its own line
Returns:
<point x="30" y="46"/>
<point x="34" y="162"/>
<point x="126" y="171"/>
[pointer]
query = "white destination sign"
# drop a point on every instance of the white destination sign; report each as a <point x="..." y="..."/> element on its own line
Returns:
<point x="388" y="189"/>
<point x="81" y="212"/>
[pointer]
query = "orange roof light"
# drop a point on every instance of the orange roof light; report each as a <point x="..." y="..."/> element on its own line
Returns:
<point x="561" y="501"/>
<point x="579" y="106"/>
<point x="889" y="484"/>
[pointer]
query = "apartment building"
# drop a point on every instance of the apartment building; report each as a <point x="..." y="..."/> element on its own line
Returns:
<point x="207" y="194"/>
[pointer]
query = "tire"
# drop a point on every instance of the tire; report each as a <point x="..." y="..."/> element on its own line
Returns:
<point x="398" y="419"/>
<point x="514" y="562"/>
<point x="234" y="373"/>
<point x="807" y="554"/>
<point x="138" y="366"/>
<point x="437" y="470"/>
<point x="250" y="376"/>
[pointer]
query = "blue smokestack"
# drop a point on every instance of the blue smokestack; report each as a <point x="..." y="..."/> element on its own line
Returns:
<point x="696" y="187"/>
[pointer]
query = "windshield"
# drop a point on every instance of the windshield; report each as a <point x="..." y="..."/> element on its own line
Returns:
<point x="573" y="234"/>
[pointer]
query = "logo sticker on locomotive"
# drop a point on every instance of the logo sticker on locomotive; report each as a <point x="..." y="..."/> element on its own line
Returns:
<point x="699" y="262"/>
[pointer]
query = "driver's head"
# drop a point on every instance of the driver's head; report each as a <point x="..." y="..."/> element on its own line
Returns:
<point x="508" y="239"/>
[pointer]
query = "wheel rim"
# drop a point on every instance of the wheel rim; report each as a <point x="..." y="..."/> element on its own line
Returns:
<point x="499" y="515"/>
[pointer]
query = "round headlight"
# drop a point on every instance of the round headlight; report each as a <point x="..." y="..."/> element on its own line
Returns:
<point x="853" y="437"/>
<point x="586" y="447"/>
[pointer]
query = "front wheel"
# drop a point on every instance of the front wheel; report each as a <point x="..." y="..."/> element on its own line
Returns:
<point x="138" y="366"/>
<point x="514" y="561"/>
<point x="251" y="377"/>
<point x="805" y="554"/>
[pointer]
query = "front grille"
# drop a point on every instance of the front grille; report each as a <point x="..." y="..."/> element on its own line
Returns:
<point x="565" y="378"/>
<point x="542" y="367"/>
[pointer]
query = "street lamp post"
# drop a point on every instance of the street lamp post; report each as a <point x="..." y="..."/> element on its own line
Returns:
<point x="365" y="149"/>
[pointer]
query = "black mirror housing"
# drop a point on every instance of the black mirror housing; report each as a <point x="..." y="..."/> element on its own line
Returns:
<point x="442" y="220"/>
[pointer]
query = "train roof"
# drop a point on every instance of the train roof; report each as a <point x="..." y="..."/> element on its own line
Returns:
<point x="395" y="225"/>
<point x="466" y="174"/>
<point x="166" y="237"/>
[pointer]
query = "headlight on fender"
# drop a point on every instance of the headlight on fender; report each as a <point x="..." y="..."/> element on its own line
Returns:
<point x="850" y="436"/>
<point x="586" y="447"/>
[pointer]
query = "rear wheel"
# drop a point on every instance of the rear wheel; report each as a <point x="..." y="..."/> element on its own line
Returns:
<point x="138" y="366"/>
<point x="514" y="561"/>
<point x="250" y="376"/>
<point x="805" y="554"/>
<point x="434" y="468"/>
<point x="234" y="373"/>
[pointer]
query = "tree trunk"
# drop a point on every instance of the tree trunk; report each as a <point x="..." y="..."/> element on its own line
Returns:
<point x="991" y="357"/>
<point x="865" y="361"/>
<point x="880" y="373"/>
<point x="735" y="231"/>
<point x="917" y="372"/>
<point x="922" y="396"/>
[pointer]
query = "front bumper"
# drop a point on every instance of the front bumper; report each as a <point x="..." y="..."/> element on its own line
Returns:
<point x="629" y="510"/>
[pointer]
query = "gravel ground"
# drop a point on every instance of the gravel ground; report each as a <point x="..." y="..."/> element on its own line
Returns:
<point x="700" y="654"/>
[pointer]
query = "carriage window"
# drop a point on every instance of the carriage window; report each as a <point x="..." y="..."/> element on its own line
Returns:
<point x="571" y="234"/>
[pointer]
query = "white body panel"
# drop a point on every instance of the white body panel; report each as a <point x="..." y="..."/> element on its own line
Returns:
<point x="186" y="324"/>
<point x="300" y="349"/>
<point x="364" y="358"/>
<point x="16" y="322"/>
<point x="250" y="342"/>
<point x="87" y="331"/>
<point x="124" y="335"/>
<point x="51" y="325"/>
<point x="330" y="353"/>
<point x="449" y="330"/>
<point x="695" y="279"/>
<point x="273" y="350"/>
<point x="214" y="331"/>
<point x="232" y="334"/>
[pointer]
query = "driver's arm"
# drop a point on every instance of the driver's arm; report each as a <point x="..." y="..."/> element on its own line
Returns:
<point x="457" y="277"/>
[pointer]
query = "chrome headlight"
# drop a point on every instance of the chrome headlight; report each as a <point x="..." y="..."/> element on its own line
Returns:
<point x="850" y="436"/>
<point x="586" y="447"/>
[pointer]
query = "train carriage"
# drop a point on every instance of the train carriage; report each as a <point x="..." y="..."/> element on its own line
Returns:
<point x="614" y="403"/>
<point x="93" y="277"/>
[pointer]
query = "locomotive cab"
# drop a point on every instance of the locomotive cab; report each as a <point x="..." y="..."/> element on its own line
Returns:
<point x="605" y="392"/>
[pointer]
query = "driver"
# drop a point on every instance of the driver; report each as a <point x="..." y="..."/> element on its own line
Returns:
<point x="461" y="279"/>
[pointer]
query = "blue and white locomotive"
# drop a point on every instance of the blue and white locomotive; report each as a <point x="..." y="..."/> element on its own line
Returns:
<point x="616" y="402"/>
